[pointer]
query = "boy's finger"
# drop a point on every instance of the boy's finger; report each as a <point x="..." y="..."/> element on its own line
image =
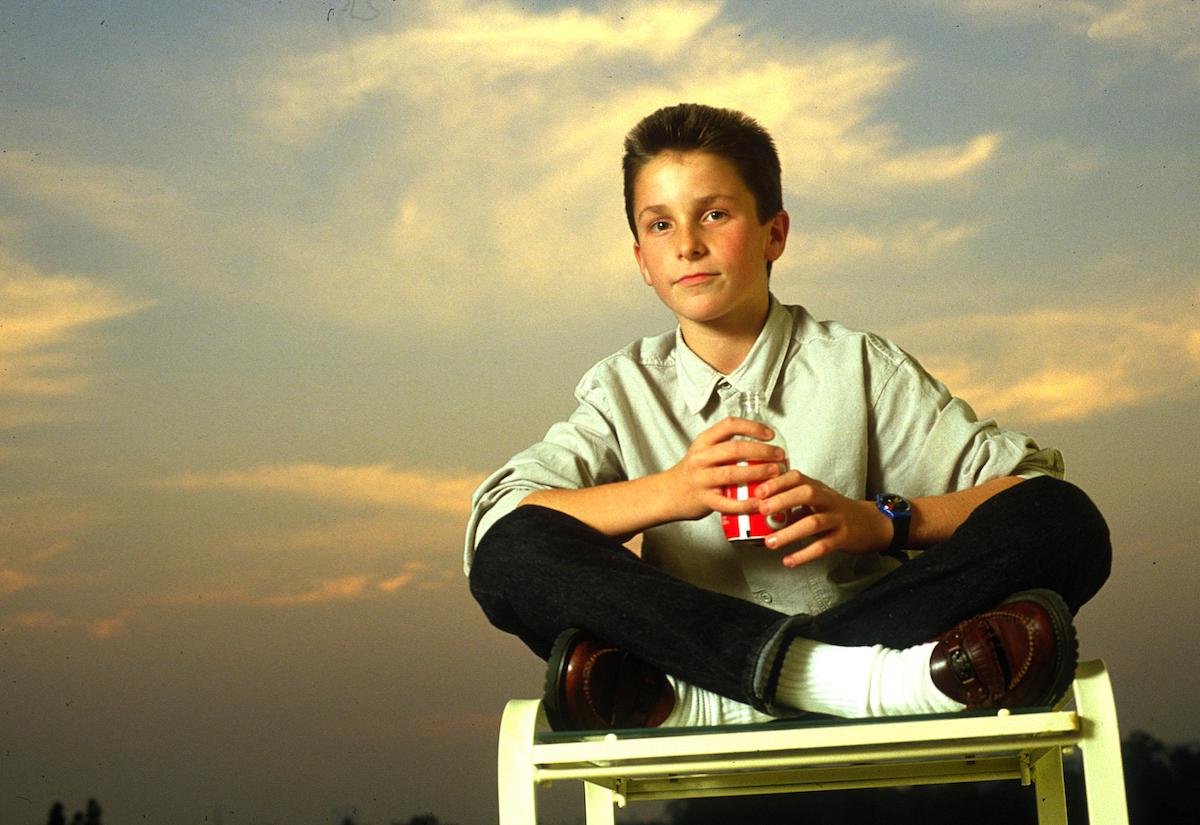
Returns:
<point x="727" y="475"/>
<point x="729" y="427"/>
<point x="805" y="524"/>
<point x="813" y="552"/>
<point x="777" y="487"/>
<point x="732" y="452"/>
<point x="791" y="490"/>
<point x="733" y="506"/>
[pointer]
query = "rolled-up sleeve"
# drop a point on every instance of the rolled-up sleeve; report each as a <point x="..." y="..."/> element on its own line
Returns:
<point x="956" y="449"/>
<point x="962" y="451"/>
<point x="582" y="451"/>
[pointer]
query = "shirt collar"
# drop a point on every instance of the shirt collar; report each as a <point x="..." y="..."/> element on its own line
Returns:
<point x="759" y="371"/>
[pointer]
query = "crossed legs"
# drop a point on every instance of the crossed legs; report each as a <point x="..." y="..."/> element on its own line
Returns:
<point x="538" y="571"/>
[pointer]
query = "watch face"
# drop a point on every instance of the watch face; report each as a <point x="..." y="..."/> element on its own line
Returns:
<point x="894" y="505"/>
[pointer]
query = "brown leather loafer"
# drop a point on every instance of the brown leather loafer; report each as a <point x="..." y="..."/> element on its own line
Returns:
<point x="592" y="685"/>
<point x="1021" y="654"/>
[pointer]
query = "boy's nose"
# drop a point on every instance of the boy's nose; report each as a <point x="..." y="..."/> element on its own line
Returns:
<point x="690" y="244"/>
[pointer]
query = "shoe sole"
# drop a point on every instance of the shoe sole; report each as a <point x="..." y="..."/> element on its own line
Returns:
<point x="556" y="670"/>
<point x="1067" y="649"/>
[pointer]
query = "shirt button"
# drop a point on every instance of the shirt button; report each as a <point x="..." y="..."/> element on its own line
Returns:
<point x="764" y="597"/>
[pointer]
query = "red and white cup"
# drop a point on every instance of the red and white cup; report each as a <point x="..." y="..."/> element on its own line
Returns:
<point x="751" y="527"/>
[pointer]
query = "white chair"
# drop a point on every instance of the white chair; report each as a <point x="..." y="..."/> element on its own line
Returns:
<point x="620" y="766"/>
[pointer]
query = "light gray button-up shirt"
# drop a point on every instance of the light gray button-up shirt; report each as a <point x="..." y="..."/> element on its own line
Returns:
<point x="853" y="410"/>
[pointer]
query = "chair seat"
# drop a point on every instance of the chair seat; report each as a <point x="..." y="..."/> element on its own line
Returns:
<point x="663" y="763"/>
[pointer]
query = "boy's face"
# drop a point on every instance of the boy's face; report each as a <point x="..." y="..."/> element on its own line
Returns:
<point x="700" y="244"/>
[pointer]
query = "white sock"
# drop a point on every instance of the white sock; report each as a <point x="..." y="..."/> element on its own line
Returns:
<point x="901" y="684"/>
<point x="697" y="707"/>
<point x="858" y="682"/>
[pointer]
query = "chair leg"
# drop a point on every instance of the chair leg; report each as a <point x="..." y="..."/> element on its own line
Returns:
<point x="516" y="780"/>
<point x="1100" y="746"/>
<point x="598" y="801"/>
<point x="1050" y="789"/>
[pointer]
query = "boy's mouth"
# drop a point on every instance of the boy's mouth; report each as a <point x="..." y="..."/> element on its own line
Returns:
<point x="695" y="278"/>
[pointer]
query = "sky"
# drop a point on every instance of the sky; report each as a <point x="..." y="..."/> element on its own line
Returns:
<point x="281" y="281"/>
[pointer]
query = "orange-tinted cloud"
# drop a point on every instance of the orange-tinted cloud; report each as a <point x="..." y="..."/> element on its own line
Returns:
<point x="357" y="586"/>
<point x="1064" y="365"/>
<point x="44" y="351"/>
<point x="12" y="581"/>
<point x="38" y="526"/>
<point x="40" y="620"/>
<point x="413" y="574"/>
<point x="343" y="587"/>
<point x="378" y="484"/>
<point x="108" y="626"/>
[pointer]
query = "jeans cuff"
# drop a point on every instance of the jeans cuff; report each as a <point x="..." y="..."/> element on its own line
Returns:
<point x="762" y="672"/>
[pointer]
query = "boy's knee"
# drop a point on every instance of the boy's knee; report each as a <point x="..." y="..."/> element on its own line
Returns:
<point x="1084" y="538"/>
<point x="534" y="526"/>
<point x="523" y="521"/>
<point x="1070" y="505"/>
<point x="502" y="550"/>
<point x="516" y="532"/>
<point x="515" y="536"/>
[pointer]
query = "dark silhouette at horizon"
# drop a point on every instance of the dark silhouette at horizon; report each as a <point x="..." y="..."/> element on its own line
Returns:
<point x="1162" y="784"/>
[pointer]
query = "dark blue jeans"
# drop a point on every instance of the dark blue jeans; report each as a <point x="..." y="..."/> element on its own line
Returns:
<point x="538" y="571"/>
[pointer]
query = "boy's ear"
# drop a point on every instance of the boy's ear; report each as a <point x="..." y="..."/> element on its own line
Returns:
<point x="777" y="240"/>
<point x="637" y="254"/>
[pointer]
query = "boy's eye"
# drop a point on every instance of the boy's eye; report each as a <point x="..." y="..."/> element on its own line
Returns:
<point x="715" y="214"/>
<point x="658" y="226"/>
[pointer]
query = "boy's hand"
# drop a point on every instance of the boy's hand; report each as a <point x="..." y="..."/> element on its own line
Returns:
<point x="695" y="485"/>
<point x="836" y="522"/>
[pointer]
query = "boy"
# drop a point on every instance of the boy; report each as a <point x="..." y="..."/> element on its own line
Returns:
<point x="825" y="617"/>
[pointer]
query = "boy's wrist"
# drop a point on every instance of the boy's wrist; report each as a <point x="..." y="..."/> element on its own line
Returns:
<point x="663" y="501"/>
<point x="897" y="512"/>
<point x="878" y="526"/>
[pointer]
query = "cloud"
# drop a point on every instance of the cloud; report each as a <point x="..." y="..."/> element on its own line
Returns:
<point x="44" y="348"/>
<point x="49" y="620"/>
<point x="482" y="149"/>
<point x="358" y="557"/>
<point x="344" y="587"/>
<point x="1166" y="25"/>
<point x="133" y="202"/>
<point x="918" y="241"/>
<point x="40" y="620"/>
<point x="266" y="594"/>
<point x="1064" y="365"/>
<point x="12" y="581"/>
<point x="490" y="42"/>
<point x="357" y="586"/>
<point x="376" y="484"/>
<point x="109" y="626"/>
<point x="941" y="163"/>
<point x="1171" y="27"/>
<point x="37" y="527"/>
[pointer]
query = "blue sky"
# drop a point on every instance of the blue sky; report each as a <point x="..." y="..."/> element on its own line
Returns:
<point x="279" y="282"/>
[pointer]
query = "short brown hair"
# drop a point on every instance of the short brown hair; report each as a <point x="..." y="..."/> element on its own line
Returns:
<point x="694" y="127"/>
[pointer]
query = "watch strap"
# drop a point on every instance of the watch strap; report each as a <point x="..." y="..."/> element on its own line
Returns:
<point x="899" y="512"/>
